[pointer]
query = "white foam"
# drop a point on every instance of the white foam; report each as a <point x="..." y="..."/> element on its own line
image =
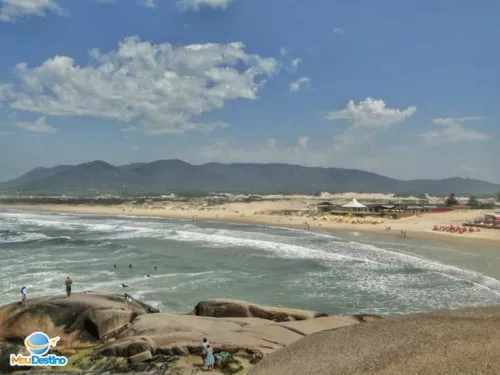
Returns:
<point x="490" y="283"/>
<point x="353" y="268"/>
<point x="29" y="237"/>
<point x="221" y="238"/>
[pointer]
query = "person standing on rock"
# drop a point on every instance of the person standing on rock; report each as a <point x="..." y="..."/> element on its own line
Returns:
<point x="204" y="350"/>
<point x="128" y="301"/>
<point x="209" y="358"/>
<point x="68" y="283"/>
<point x="24" y="301"/>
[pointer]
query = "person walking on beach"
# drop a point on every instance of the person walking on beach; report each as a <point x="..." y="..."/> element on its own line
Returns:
<point x="68" y="283"/>
<point x="24" y="300"/>
<point x="210" y="359"/>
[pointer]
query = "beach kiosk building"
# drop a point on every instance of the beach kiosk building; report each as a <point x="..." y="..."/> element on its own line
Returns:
<point x="355" y="206"/>
<point x="325" y="207"/>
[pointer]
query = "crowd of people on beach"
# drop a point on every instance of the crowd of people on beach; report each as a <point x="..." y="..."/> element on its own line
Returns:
<point x="455" y="229"/>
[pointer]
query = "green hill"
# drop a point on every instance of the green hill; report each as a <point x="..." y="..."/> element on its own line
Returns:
<point x="162" y="176"/>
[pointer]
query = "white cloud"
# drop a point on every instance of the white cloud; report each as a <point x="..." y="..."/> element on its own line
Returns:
<point x="338" y="31"/>
<point x="198" y="4"/>
<point x="271" y="143"/>
<point x="5" y="91"/>
<point x="453" y="131"/>
<point x="3" y="133"/>
<point x="294" y="64"/>
<point x="371" y="113"/>
<point x="37" y="126"/>
<point x="303" y="142"/>
<point x="129" y="129"/>
<point x="283" y="51"/>
<point x="299" y="84"/>
<point x="368" y="118"/>
<point x="161" y="86"/>
<point x="12" y="10"/>
<point x="148" y="3"/>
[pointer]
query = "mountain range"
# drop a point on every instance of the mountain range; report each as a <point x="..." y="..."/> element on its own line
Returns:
<point x="164" y="176"/>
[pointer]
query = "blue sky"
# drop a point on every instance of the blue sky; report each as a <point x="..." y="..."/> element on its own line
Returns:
<point x="409" y="89"/>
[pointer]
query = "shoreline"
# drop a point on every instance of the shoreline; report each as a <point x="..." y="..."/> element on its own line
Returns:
<point x="412" y="225"/>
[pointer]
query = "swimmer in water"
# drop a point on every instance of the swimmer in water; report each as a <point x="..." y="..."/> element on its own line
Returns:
<point x="130" y="266"/>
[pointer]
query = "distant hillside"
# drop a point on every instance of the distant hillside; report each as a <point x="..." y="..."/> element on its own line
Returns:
<point x="99" y="177"/>
<point x="36" y="175"/>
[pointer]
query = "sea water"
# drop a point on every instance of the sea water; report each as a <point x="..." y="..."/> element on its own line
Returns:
<point x="344" y="273"/>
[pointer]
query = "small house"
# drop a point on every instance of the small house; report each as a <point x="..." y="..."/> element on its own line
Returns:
<point x="325" y="207"/>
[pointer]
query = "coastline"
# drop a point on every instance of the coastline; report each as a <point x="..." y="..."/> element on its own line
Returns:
<point x="251" y="213"/>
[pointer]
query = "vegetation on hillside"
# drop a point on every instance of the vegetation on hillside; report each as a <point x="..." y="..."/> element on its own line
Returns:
<point x="175" y="176"/>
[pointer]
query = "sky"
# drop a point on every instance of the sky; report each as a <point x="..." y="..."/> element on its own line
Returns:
<point x="408" y="89"/>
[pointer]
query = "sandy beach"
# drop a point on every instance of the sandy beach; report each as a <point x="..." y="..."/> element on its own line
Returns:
<point x="302" y="215"/>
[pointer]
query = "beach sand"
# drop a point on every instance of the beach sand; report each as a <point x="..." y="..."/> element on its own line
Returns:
<point x="270" y="212"/>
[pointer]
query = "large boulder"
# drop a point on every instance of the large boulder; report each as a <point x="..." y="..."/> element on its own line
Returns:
<point x="465" y="341"/>
<point x="182" y="334"/>
<point x="227" y="308"/>
<point x="83" y="319"/>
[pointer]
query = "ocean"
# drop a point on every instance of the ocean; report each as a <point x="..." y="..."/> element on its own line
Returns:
<point x="340" y="273"/>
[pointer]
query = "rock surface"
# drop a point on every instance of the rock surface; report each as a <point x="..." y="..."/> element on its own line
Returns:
<point x="227" y="308"/>
<point x="85" y="318"/>
<point x="458" y="342"/>
<point x="99" y="335"/>
<point x="183" y="333"/>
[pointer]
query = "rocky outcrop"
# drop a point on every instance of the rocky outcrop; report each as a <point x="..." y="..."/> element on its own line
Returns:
<point x="99" y="334"/>
<point x="227" y="308"/>
<point x="465" y="341"/>
<point x="83" y="319"/>
<point x="182" y="334"/>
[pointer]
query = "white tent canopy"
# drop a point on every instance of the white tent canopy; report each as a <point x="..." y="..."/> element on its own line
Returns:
<point x="354" y="204"/>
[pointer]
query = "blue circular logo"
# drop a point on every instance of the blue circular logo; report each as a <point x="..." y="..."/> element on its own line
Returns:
<point x="38" y="343"/>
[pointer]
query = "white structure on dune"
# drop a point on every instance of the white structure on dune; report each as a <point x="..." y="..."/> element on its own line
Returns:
<point x="355" y="204"/>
